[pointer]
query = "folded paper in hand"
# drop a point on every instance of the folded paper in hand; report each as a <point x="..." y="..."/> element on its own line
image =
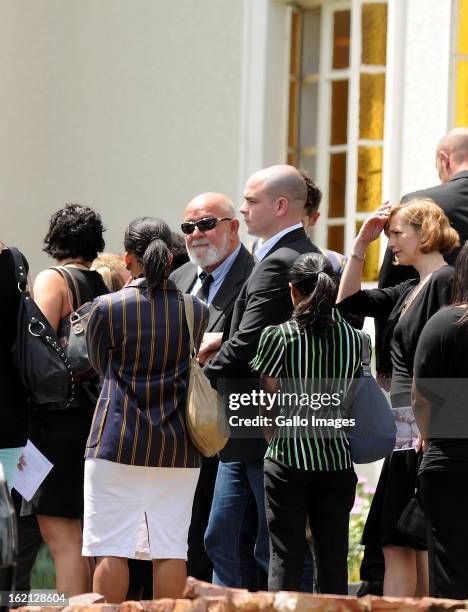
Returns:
<point x="30" y="477"/>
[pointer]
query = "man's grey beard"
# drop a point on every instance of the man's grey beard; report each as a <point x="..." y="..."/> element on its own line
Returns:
<point x="211" y="256"/>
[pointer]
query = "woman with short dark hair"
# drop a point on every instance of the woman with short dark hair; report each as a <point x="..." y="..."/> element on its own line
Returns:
<point x="141" y="465"/>
<point x="74" y="239"/>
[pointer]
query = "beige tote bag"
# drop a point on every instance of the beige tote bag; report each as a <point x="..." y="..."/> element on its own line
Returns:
<point x="206" y="419"/>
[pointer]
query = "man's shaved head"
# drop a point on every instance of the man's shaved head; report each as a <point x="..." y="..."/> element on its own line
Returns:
<point x="215" y="201"/>
<point x="274" y="200"/>
<point x="452" y="154"/>
<point x="455" y="143"/>
<point x="284" y="181"/>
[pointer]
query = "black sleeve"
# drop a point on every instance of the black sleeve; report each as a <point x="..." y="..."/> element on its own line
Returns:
<point x="427" y="358"/>
<point x="373" y="302"/>
<point x="440" y="290"/>
<point x="429" y="371"/>
<point x="267" y="302"/>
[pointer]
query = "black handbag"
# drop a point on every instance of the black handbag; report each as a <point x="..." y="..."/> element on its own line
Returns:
<point x="72" y="330"/>
<point x="373" y="435"/>
<point x="41" y="363"/>
<point x="412" y="524"/>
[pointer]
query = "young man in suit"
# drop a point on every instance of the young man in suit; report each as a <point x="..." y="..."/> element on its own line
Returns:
<point x="218" y="268"/>
<point x="274" y="200"/>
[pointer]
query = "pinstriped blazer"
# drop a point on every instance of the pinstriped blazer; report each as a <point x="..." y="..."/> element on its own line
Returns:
<point x="140" y="347"/>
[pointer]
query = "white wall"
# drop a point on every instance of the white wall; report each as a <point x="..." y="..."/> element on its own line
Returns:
<point x="425" y="95"/>
<point x="131" y="107"/>
<point x="264" y="88"/>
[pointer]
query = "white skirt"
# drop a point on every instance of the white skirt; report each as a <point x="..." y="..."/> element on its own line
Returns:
<point x="119" y="499"/>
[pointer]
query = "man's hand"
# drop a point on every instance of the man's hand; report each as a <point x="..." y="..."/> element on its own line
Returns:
<point x="210" y="345"/>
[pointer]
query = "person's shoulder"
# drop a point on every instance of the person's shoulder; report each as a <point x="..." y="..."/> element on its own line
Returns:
<point x="428" y="192"/>
<point x="446" y="195"/>
<point x="115" y="298"/>
<point x="183" y="271"/>
<point x="442" y="326"/>
<point x="443" y="274"/>
<point x="447" y="314"/>
<point x="199" y="306"/>
<point x="49" y="278"/>
<point x="287" y="254"/>
<point x="273" y="333"/>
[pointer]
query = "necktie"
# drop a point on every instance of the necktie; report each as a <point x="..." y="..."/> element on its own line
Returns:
<point x="204" y="290"/>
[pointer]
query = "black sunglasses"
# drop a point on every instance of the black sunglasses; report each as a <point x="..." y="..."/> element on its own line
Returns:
<point x="204" y="225"/>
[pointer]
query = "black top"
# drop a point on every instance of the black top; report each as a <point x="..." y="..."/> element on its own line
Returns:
<point x="441" y="372"/>
<point x="89" y="285"/>
<point x="13" y="401"/>
<point x="401" y="334"/>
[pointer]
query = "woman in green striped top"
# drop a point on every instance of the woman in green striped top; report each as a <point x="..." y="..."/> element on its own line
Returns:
<point x="308" y="468"/>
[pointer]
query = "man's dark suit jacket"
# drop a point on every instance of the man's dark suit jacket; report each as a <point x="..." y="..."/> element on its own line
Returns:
<point x="220" y="309"/>
<point x="264" y="300"/>
<point x="452" y="196"/>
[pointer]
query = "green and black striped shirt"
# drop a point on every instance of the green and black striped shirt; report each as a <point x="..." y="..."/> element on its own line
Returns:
<point x="315" y="376"/>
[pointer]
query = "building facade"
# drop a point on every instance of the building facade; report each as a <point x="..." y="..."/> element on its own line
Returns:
<point x="134" y="107"/>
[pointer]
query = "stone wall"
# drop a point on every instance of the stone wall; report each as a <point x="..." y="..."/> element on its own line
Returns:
<point x="204" y="597"/>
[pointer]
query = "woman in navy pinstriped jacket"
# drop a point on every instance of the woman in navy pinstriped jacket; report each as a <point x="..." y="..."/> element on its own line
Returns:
<point x="141" y="465"/>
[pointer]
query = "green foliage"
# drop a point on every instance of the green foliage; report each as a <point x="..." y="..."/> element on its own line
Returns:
<point x="357" y="520"/>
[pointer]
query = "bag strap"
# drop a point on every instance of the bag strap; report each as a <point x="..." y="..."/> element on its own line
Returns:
<point x="365" y="353"/>
<point x="72" y="286"/>
<point x="45" y="332"/>
<point x="189" y="317"/>
<point x="20" y="272"/>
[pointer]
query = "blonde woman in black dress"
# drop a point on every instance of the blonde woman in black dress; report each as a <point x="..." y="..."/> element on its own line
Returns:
<point x="419" y="235"/>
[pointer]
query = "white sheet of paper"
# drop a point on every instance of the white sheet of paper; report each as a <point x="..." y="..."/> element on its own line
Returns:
<point x="29" y="479"/>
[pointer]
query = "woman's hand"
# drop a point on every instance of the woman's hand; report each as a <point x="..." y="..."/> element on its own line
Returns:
<point x="373" y="226"/>
<point x="421" y="444"/>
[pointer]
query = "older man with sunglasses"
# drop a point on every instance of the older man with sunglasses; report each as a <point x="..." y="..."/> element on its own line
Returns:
<point x="219" y="266"/>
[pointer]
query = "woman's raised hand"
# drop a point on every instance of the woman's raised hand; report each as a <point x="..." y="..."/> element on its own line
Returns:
<point x="373" y="225"/>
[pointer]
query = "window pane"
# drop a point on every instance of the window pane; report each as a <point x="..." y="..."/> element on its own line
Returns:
<point x="335" y="240"/>
<point x="308" y="163"/>
<point x="370" y="270"/>
<point x="308" y="136"/>
<point x="295" y="60"/>
<point x="293" y="103"/>
<point x="311" y="41"/>
<point x="339" y="114"/>
<point x="371" y="106"/>
<point x="337" y="185"/>
<point x="369" y="188"/>
<point x="341" y="39"/>
<point x="462" y="94"/>
<point x="374" y="34"/>
<point x="463" y="28"/>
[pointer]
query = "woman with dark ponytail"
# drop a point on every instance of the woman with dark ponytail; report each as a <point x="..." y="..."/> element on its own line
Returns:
<point x="141" y="466"/>
<point x="308" y="468"/>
